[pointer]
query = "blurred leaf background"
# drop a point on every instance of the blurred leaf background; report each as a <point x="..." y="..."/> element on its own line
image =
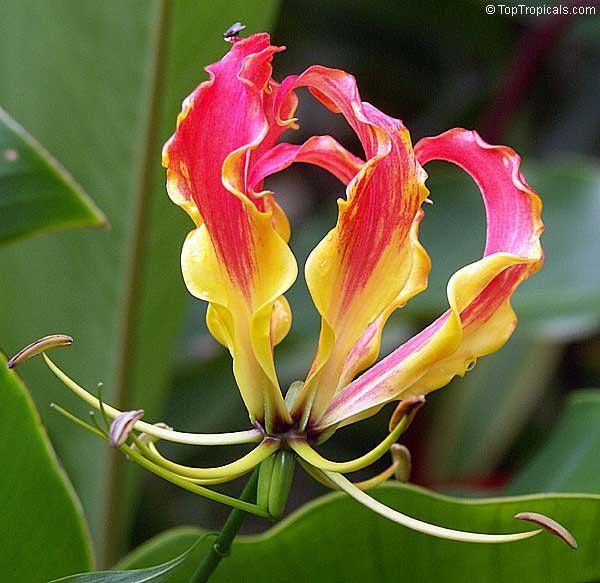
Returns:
<point x="100" y="84"/>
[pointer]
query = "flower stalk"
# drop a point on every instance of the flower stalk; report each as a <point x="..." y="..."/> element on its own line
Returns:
<point x="222" y="546"/>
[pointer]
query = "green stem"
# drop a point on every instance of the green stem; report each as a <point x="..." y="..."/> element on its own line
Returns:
<point x="222" y="546"/>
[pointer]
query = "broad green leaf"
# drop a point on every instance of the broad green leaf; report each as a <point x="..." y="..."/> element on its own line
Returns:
<point x="155" y="574"/>
<point x="45" y="535"/>
<point x="567" y="289"/>
<point x="36" y="194"/>
<point x="101" y="87"/>
<point x="335" y="539"/>
<point x="570" y="460"/>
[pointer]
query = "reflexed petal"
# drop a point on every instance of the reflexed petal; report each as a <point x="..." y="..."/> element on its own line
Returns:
<point x="237" y="258"/>
<point x="321" y="151"/>
<point x="480" y="319"/>
<point x="364" y="263"/>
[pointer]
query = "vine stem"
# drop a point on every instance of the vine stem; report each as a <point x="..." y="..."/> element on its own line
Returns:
<point x="222" y="546"/>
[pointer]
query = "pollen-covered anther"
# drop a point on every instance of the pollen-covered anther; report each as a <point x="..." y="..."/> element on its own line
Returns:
<point x="122" y="426"/>
<point x="550" y="525"/>
<point x="402" y="462"/>
<point x="38" y="347"/>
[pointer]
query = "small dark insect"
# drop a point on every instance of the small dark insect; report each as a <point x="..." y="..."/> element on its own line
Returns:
<point x="233" y="31"/>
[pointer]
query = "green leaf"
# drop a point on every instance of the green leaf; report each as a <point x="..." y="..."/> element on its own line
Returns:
<point x="36" y="194"/>
<point x="335" y="539"/>
<point x="570" y="460"/>
<point x="567" y="289"/>
<point x="45" y="534"/>
<point x="101" y="88"/>
<point x="154" y="574"/>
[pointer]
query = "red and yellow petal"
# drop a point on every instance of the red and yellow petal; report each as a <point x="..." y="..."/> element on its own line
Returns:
<point x="236" y="259"/>
<point x="480" y="319"/>
<point x="323" y="151"/>
<point x="366" y="351"/>
<point x="364" y="263"/>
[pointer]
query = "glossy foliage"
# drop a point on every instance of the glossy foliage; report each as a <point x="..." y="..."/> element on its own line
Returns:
<point x="334" y="539"/>
<point x="45" y="533"/>
<point x="36" y="194"/>
<point x="156" y="574"/>
<point x="570" y="460"/>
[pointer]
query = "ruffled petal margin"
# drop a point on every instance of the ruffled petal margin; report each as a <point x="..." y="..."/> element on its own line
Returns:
<point x="480" y="319"/>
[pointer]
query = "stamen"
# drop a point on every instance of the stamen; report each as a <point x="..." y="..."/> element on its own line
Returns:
<point x="97" y="423"/>
<point x="150" y="440"/>
<point x="363" y="485"/>
<point x="170" y="477"/>
<point x="201" y="481"/>
<point x="100" y="389"/>
<point x="377" y="480"/>
<point x="122" y="426"/>
<point x="78" y="421"/>
<point x="39" y="346"/>
<point x="240" y="466"/>
<point x="550" y="525"/>
<point x="233" y="438"/>
<point x="403" y="416"/>
<point x="419" y="525"/>
<point x="190" y="486"/>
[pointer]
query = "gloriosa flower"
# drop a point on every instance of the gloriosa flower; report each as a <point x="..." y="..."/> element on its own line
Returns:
<point x="238" y="260"/>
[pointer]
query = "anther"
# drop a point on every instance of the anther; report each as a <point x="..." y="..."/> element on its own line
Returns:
<point x="550" y="525"/>
<point x="39" y="346"/>
<point x="122" y="427"/>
